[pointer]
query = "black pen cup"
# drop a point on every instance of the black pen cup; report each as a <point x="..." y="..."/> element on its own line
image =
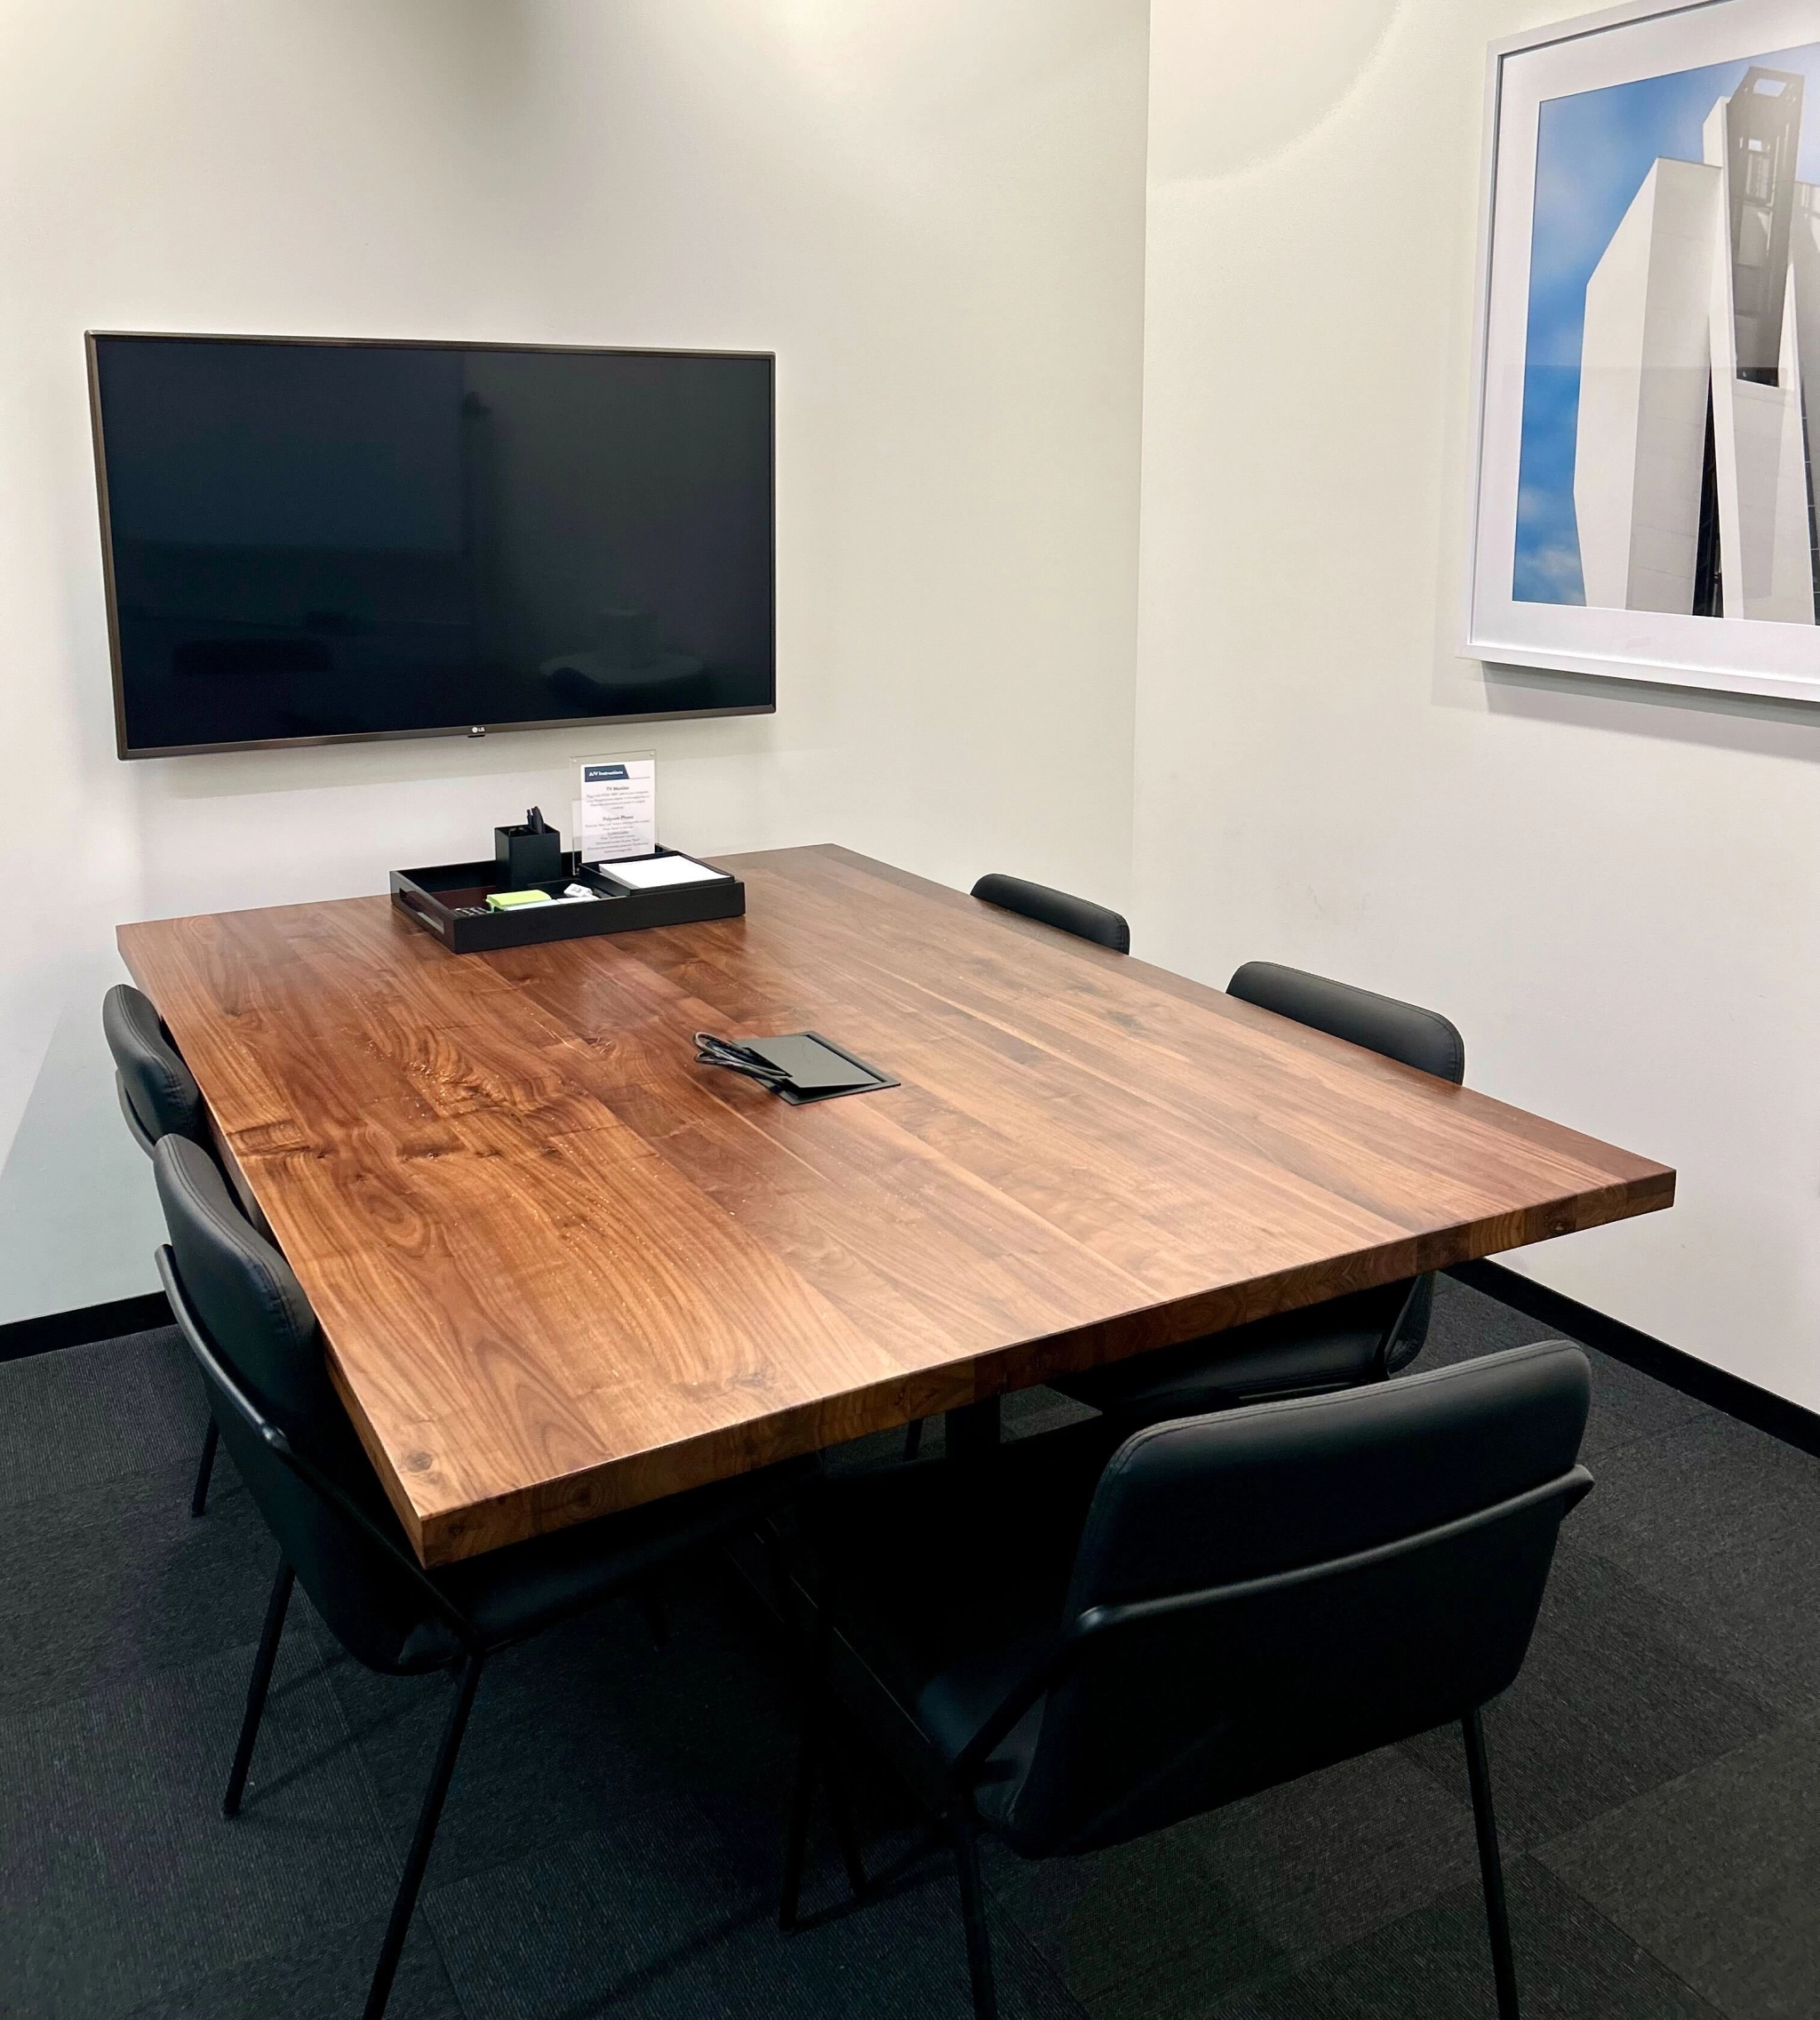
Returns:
<point x="526" y="857"/>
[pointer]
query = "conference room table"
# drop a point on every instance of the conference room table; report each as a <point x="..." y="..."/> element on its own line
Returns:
<point x="561" y="1268"/>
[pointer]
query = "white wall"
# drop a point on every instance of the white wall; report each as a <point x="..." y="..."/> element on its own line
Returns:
<point x="1611" y="891"/>
<point x="933" y="211"/>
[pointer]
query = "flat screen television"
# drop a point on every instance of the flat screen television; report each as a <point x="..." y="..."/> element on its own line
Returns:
<point x="316" y="541"/>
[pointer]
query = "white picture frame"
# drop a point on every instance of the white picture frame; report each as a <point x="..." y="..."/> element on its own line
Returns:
<point x="1571" y="112"/>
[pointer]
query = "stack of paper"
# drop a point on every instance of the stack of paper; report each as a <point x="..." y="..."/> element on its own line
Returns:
<point x="658" y="873"/>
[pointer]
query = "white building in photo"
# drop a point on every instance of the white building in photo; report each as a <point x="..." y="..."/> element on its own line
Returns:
<point x="1693" y="484"/>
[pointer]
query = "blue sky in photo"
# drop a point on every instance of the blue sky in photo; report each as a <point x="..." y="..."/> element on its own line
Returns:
<point x="1592" y="151"/>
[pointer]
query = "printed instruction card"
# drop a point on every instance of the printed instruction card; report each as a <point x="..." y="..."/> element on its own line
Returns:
<point x="619" y="808"/>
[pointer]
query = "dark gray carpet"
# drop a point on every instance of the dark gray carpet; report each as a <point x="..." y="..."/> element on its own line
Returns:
<point x="611" y="1840"/>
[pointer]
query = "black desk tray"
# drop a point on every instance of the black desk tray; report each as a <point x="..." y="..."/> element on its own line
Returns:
<point x="450" y="899"/>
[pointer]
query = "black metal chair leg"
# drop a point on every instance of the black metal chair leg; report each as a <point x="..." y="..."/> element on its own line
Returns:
<point x="419" y="1857"/>
<point x="256" y="1689"/>
<point x="797" y="1841"/>
<point x="834" y="1782"/>
<point x="912" y="1438"/>
<point x="985" y="2005"/>
<point x="1491" y="1868"/>
<point x="199" y="1496"/>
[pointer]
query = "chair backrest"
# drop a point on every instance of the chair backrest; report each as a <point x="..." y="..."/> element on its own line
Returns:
<point x="158" y="1093"/>
<point x="1260" y="1593"/>
<point x="260" y="1351"/>
<point x="1406" y="1032"/>
<point x="1420" y="1038"/>
<point x="1086" y="921"/>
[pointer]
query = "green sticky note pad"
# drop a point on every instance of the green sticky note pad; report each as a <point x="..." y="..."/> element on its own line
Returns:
<point x="510" y="900"/>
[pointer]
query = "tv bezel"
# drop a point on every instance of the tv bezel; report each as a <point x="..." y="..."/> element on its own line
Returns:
<point x="472" y="730"/>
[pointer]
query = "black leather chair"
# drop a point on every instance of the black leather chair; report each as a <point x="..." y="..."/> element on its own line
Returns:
<point x="159" y="1098"/>
<point x="256" y="1341"/>
<point x="1364" y="1337"/>
<point x="1070" y="1652"/>
<point x="1075" y="915"/>
<point x="158" y="1093"/>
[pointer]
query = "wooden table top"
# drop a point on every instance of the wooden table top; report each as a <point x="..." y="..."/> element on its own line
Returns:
<point x="562" y="1269"/>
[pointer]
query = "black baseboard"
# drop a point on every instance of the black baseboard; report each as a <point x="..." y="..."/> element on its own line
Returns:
<point x="81" y="1328"/>
<point x="1697" y="1378"/>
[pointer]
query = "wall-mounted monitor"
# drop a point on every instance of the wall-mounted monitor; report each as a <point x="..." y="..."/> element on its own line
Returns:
<point x="319" y="541"/>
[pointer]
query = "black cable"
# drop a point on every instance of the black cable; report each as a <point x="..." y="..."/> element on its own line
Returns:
<point x="712" y="1051"/>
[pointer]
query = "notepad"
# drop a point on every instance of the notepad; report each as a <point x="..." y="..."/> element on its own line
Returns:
<point x="510" y="900"/>
<point x="658" y="873"/>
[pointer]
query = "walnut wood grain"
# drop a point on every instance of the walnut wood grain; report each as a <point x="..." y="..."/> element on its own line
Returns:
<point x="562" y="1269"/>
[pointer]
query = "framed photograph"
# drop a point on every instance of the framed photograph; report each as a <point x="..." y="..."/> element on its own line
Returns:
<point x="1649" y="349"/>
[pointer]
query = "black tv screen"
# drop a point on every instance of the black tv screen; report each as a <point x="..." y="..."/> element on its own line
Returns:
<point x="312" y="541"/>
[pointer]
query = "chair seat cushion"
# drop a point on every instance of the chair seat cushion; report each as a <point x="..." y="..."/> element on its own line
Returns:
<point x="1330" y="1346"/>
